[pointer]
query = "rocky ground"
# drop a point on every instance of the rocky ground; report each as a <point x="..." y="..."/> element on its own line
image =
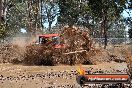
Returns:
<point x="18" y="76"/>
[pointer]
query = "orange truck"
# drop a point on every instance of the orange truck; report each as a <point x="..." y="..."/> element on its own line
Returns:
<point x="55" y="41"/>
<point x="118" y="80"/>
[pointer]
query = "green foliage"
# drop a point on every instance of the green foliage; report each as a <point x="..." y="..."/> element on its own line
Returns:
<point x="2" y="31"/>
<point x="117" y="29"/>
<point x="111" y="8"/>
<point x="69" y="11"/>
<point x="16" y="18"/>
<point x="97" y="15"/>
<point x="81" y="12"/>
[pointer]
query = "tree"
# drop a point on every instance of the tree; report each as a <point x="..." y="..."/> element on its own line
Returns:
<point x="24" y="14"/>
<point x="69" y="12"/>
<point x="107" y="12"/>
<point x="34" y="18"/>
<point x="15" y="17"/>
<point x="128" y="20"/>
<point x="0" y="10"/>
<point x="19" y="14"/>
<point x="130" y="32"/>
<point x="50" y="12"/>
<point x="3" y="32"/>
<point x="129" y="23"/>
<point x="94" y="14"/>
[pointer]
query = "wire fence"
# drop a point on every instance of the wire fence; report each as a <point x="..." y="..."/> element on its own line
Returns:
<point x="113" y="41"/>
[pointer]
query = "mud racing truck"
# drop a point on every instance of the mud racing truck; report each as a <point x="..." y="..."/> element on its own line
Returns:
<point x="114" y="80"/>
<point x="55" y="41"/>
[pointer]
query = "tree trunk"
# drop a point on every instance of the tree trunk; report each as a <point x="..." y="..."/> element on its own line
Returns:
<point x="70" y="23"/>
<point x="41" y="14"/>
<point x="0" y="10"/>
<point x="50" y="26"/>
<point x="37" y="16"/>
<point x="29" y="30"/>
<point x="103" y="33"/>
<point x="105" y="29"/>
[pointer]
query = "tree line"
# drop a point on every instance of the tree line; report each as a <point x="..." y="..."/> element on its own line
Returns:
<point x="102" y="17"/>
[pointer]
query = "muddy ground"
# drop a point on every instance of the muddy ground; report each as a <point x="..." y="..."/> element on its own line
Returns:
<point x="19" y="76"/>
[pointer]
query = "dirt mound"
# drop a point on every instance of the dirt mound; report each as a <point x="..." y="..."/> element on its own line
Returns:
<point x="78" y="43"/>
<point x="38" y="55"/>
<point x="10" y="53"/>
<point x="76" y="39"/>
<point x="80" y="40"/>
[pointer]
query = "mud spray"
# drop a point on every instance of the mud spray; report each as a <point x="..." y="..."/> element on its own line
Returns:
<point x="22" y="50"/>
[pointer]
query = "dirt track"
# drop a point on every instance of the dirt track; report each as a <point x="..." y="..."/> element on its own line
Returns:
<point x="18" y="76"/>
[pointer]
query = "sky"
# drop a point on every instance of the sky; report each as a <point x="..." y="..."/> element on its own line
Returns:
<point x="53" y="24"/>
<point x="125" y="13"/>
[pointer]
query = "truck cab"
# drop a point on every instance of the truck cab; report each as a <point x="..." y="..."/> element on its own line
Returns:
<point x="51" y="39"/>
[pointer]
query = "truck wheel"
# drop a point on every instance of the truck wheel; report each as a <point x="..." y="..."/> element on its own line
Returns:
<point x="81" y="80"/>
